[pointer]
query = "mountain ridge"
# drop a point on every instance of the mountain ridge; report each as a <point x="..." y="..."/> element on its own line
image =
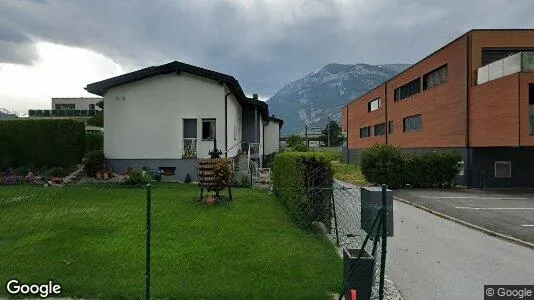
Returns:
<point x="319" y="95"/>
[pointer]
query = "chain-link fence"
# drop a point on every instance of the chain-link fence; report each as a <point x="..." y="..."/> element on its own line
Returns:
<point x="104" y="241"/>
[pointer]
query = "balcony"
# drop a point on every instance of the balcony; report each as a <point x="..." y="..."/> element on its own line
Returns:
<point x="519" y="62"/>
<point x="61" y="113"/>
<point x="190" y="148"/>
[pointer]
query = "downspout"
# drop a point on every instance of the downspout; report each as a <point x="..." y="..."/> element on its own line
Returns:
<point x="226" y="123"/>
<point x="469" y="157"/>
<point x="386" y="110"/>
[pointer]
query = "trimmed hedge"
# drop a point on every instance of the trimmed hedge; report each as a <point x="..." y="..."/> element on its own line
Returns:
<point x="41" y="143"/>
<point x="94" y="162"/>
<point x="303" y="182"/>
<point x="386" y="164"/>
<point x="93" y="142"/>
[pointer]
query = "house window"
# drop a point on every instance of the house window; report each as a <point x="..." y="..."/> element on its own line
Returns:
<point x="91" y="107"/>
<point x="373" y="105"/>
<point x="411" y="88"/>
<point x="380" y="129"/>
<point x="412" y="123"/>
<point x="531" y="108"/>
<point x="190" y="128"/>
<point x="365" y="132"/>
<point x="390" y="127"/>
<point x="503" y="169"/>
<point x="436" y="77"/>
<point x="208" y="129"/>
<point x="65" y="106"/>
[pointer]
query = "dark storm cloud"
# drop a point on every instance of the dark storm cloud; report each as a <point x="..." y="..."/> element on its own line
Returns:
<point x="265" y="44"/>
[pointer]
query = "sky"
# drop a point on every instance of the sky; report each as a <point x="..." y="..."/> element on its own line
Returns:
<point x="54" y="48"/>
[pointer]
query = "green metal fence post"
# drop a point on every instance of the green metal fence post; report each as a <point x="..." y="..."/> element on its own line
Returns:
<point x="384" y="242"/>
<point x="148" y="229"/>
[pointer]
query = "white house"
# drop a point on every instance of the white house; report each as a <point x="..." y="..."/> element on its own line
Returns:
<point x="76" y="103"/>
<point x="167" y="116"/>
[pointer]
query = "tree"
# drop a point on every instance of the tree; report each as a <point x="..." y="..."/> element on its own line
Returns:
<point x="98" y="118"/>
<point x="297" y="143"/>
<point x="331" y="134"/>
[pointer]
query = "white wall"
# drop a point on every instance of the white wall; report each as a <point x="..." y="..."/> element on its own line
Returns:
<point x="144" y="119"/>
<point x="80" y="103"/>
<point x="235" y="130"/>
<point x="272" y="137"/>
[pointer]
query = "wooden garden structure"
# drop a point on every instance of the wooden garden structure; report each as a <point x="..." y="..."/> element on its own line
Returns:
<point x="207" y="178"/>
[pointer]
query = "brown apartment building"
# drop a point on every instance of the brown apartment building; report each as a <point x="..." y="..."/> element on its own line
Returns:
<point x="475" y="95"/>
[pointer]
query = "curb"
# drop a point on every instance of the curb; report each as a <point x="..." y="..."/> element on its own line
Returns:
<point x="469" y="225"/>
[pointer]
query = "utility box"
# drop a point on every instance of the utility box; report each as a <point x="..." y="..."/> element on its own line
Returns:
<point x="358" y="274"/>
<point x="371" y="202"/>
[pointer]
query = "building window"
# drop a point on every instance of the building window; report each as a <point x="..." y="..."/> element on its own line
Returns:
<point x="65" y="106"/>
<point x="412" y="123"/>
<point x="436" y="77"/>
<point x="365" y="132"/>
<point x="208" y="129"/>
<point x="411" y="88"/>
<point x="380" y="129"/>
<point x="91" y="107"/>
<point x="503" y="169"/>
<point x="390" y="127"/>
<point x="531" y="108"/>
<point x="495" y="54"/>
<point x="373" y="105"/>
<point x="190" y="128"/>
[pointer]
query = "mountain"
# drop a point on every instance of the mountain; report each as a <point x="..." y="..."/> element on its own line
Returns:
<point x="7" y="115"/>
<point x="320" y="95"/>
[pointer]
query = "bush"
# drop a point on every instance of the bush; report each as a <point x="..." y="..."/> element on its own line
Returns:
<point x="299" y="181"/>
<point x="93" y="142"/>
<point x="56" y="172"/>
<point x="41" y="143"/>
<point x="138" y="177"/>
<point x="244" y="182"/>
<point x="385" y="164"/>
<point x="95" y="162"/>
<point x="435" y="169"/>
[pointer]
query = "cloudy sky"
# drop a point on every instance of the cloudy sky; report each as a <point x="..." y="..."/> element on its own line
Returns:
<point x="54" y="48"/>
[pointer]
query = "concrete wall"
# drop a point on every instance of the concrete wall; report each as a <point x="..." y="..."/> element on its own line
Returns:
<point x="522" y="163"/>
<point x="183" y="166"/>
<point x="80" y="103"/>
<point x="144" y="119"/>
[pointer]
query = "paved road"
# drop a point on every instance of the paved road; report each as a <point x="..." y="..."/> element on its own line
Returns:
<point x="433" y="258"/>
<point x="507" y="212"/>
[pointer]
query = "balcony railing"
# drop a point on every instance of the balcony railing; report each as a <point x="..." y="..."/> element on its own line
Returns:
<point x="519" y="62"/>
<point x="190" y="148"/>
<point x="51" y="113"/>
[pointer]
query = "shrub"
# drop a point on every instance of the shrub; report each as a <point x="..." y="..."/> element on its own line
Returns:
<point x="302" y="181"/>
<point x="434" y="169"/>
<point x="93" y="142"/>
<point x="223" y="174"/>
<point x="384" y="164"/>
<point x="244" y="181"/>
<point x="55" y="172"/>
<point x="41" y="143"/>
<point x="95" y="162"/>
<point x="138" y="177"/>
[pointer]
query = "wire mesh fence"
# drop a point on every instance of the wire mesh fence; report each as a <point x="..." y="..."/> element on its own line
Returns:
<point x="92" y="239"/>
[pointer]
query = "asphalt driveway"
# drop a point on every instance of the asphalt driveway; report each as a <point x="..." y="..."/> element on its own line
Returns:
<point x="509" y="212"/>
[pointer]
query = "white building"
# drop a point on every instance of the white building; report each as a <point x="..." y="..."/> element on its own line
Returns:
<point x="167" y="116"/>
<point x="78" y="103"/>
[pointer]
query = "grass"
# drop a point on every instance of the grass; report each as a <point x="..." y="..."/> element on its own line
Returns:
<point x="349" y="173"/>
<point x="91" y="240"/>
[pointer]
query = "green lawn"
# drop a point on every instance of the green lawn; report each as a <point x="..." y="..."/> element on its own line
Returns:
<point x="91" y="240"/>
<point x="349" y="173"/>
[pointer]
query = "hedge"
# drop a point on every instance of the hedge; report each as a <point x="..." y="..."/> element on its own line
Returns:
<point x="41" y="143"/>
<point x="93" y="142"/>
<point x="303" y="182"/>
<point x="386" y="164"/>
